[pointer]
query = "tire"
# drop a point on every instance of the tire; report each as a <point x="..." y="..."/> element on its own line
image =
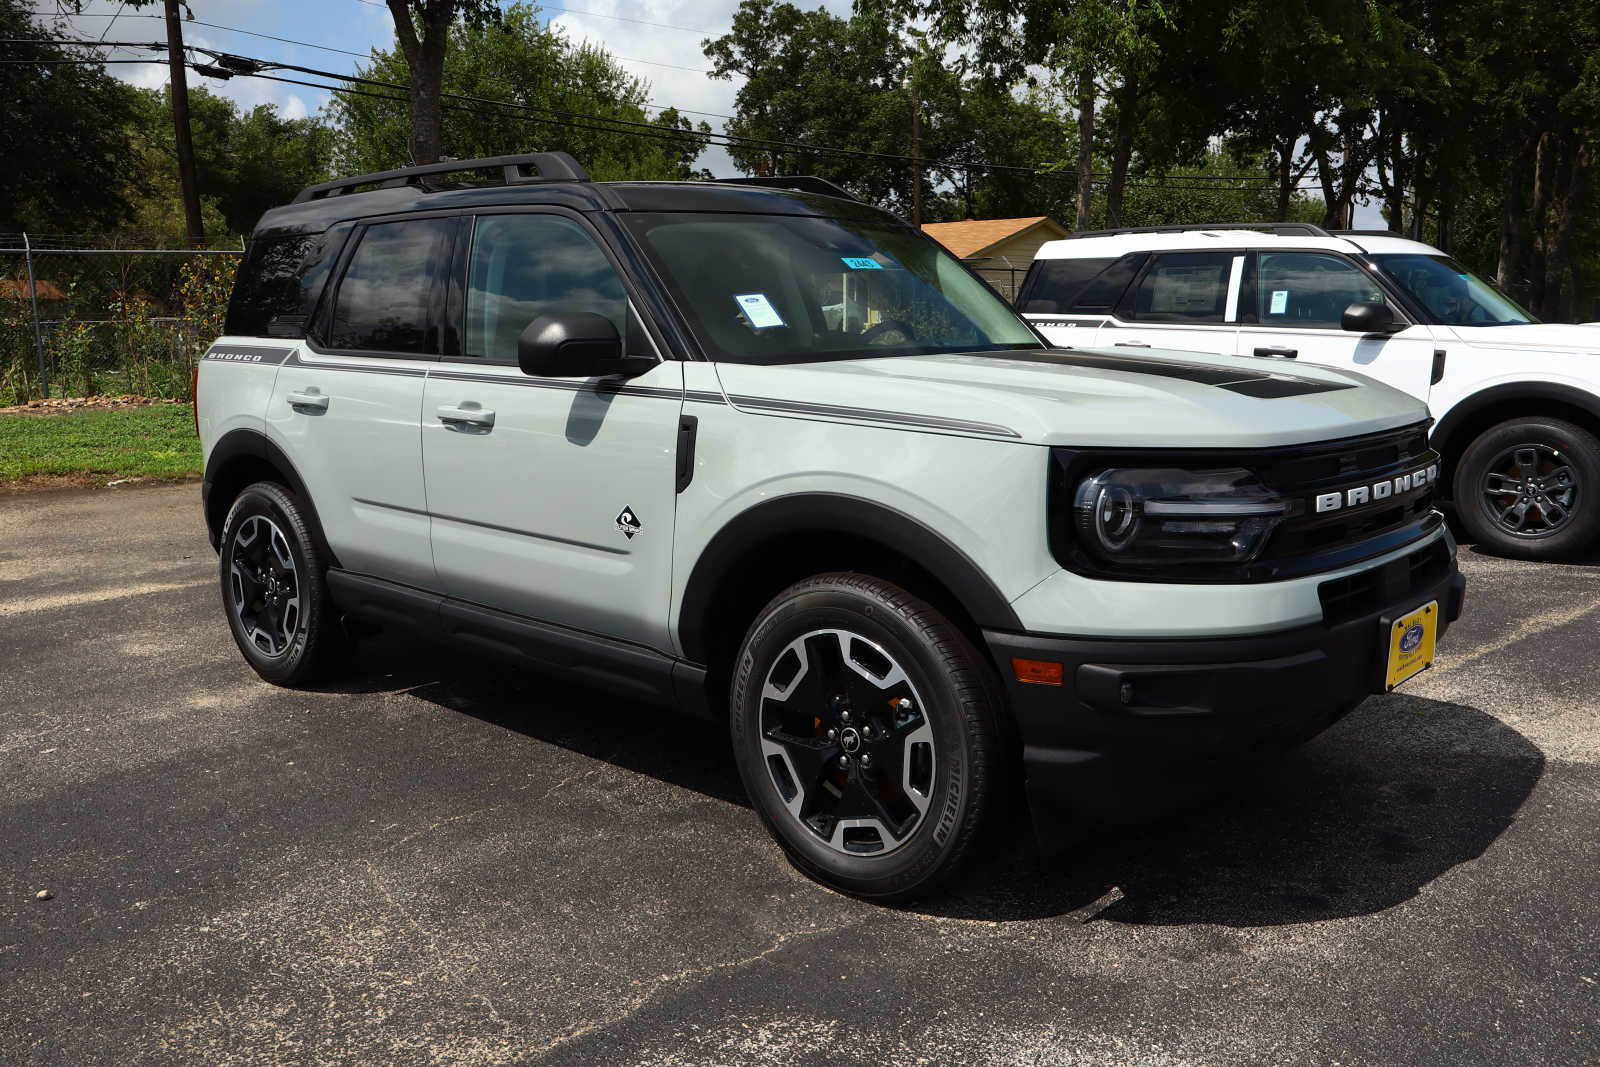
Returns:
<point x="1530" y="489"/>
<point x="274" y="588"/>
<point x="893" y="802"/>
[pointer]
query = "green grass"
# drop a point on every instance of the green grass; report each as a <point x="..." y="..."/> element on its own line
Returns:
<point x="147" y="442"/>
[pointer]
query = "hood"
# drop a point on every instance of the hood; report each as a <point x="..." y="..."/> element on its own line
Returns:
<point x="1083" y="397"/>
<point x="1535" y="336"/>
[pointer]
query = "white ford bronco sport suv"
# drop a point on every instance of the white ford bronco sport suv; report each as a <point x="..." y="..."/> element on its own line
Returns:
<point x="773" y="457"/>
<point x="1517" y="401"/>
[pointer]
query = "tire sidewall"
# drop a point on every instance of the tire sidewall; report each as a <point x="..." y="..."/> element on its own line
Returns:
<point x="954" y="799"/>
<point x="1579" y="449"/>
<point x="275" y="504"/>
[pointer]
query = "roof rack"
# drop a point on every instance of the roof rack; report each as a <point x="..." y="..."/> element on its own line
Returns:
<point x="799" y="183"/>
<point x="1281" y="229"/>
<point x="1371" y="233"/>
<point x="545" y="167"/>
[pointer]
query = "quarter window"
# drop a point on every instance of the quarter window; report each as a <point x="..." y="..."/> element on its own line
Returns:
<point x="1052" y="286"/>
<point x="1184" y="287"/>
<point x="388" y="290"/>
<point x="1308" y="289"/>
<point x="524" y="266"/>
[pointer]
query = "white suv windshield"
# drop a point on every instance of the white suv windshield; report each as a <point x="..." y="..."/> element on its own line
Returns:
<point x="1453" y="295"/>
<point x="789" y="288"/>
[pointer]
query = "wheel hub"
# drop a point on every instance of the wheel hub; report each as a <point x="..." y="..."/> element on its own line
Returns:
<point x="264" y="587"/>
<point x="1530" y="491"/>
<point x="846" y="745"/>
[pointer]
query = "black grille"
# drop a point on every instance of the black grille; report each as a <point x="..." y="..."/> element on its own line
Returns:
<point x="1372" y="590"/>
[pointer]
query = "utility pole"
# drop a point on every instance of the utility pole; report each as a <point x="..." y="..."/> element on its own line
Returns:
<point x="180" y="126"/>
<point x="916" y="155"/>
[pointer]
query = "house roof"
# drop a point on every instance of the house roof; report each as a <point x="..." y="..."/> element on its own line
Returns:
<point x="18" y="290"/>
<point x="972" y="237"/>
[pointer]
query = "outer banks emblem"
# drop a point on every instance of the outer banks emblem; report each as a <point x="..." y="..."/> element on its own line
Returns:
<point x="628" y="523"/>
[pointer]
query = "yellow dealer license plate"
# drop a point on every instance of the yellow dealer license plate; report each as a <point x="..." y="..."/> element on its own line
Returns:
<point x="1411" y="643"/>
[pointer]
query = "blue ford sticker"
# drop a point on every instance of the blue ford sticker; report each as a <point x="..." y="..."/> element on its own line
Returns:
<point x="1411" y="638"/>
<point x="861" y="263"/>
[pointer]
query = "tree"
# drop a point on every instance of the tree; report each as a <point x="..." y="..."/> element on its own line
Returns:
<point x="65" y="135"/>
<point x="423" y="29"/>
<point x="582" y="102"/>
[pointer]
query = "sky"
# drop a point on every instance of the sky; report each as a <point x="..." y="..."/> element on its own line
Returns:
<point x="657" y="40"/>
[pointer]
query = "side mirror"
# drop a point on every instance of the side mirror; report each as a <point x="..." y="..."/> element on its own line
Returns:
<point x="577" y="344"/>
<point x="1370" y="317"/>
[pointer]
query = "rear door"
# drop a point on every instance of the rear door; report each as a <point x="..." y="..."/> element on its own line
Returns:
<point x="1292" y="308"/>
<point x="1180" y="300"/>
<point x="551" y="498"/>
<point x="347" y="404"/>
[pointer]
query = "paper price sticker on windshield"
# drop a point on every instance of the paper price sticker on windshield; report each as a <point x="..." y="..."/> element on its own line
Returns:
<point x="860" y="263"/>
<point x="758" y="309"/>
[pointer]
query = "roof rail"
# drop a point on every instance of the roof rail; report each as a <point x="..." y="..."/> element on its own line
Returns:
<point x="1371" y="233"/>
<point x="1281" y="229"/>
<point x="545" y="167"/>
<point x="799" y="183"/>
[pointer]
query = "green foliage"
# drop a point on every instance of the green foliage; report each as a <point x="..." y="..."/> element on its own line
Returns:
<point x="514" y="60"/>
<point x="155" y="441"/>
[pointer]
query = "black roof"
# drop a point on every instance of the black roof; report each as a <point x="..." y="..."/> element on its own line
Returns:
<point x="430" y="189"/>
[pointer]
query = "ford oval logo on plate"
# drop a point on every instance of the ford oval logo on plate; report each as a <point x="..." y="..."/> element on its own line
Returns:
<point x="1411" y="638"/>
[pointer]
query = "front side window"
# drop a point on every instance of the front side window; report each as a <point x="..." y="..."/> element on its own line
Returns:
<point x="386" y="296"/>
<point x="786" y="288"/>
<point x="524" y="266"/>
<point x="1184" y="287"/>
<point x="1453" y="295"/>
<point x="1309" y="289"/>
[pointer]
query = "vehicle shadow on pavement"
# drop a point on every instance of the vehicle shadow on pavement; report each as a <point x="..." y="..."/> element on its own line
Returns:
<point x="1359" y="820"/>
<point x="1355" y="822"/>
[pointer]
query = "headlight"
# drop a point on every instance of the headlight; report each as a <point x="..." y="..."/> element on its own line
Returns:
<point x="1166" y="516"/>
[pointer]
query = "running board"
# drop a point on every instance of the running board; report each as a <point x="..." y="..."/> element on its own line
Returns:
<point x="622" y="667"/>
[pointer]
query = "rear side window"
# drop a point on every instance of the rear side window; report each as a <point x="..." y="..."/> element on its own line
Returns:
<point x="387" y="296"/>
<point x="1053" y="285"/>
<point x="1183" y="287"/>
<point x="279" y="282"/>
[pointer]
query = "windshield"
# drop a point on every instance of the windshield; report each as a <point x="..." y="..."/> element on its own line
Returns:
<point x="1453" y="295"/>
<point x="786" y="289"/>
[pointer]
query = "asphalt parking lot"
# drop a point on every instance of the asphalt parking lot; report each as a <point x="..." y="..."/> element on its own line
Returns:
<point x="446" y="862"/>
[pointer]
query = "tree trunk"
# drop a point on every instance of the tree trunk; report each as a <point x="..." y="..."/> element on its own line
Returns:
<point x="1285" y="150"/>
<point x="1127" y="122"/>
<point x="1085" y="146"/>
<point x="1559" y="254"/>
<point x="425" y="62"/>
<point x="1546" y="167"/>
<point x="1514" y="235"/>
<point x="1395" y="188"/>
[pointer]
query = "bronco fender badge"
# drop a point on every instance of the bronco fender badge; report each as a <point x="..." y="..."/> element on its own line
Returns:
<point x="628" y="523"/>
<point x="1370" y="494"/>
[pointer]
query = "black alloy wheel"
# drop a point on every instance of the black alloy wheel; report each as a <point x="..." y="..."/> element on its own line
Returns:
<point x="274" y="587"/>
<point x="863" y="722"/>
<point x="1528" y="489"/>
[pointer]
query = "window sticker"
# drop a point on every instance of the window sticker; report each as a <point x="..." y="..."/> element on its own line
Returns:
<point x="1280" y="302"/>
<point x="758" y="310"/>
<point x="861" y="263"/>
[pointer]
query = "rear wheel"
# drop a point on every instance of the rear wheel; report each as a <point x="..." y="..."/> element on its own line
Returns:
<point x="863" y="723"/>
<point x="1530" y="488"/>
<point x="274" y="589"/>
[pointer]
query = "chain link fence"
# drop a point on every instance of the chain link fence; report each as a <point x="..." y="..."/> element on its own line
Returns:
<point x="77" y="320"/>
<point x="1005" y="280"/>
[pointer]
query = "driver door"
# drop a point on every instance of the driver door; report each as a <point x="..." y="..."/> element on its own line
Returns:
<point x="1292" y="309"/>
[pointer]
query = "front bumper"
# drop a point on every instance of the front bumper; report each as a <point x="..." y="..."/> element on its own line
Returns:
<point x="1158" y="703"/>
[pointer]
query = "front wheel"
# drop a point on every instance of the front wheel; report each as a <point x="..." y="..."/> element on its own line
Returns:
<point x="274" y="589"/>
<point x="863" y="725"/>
<point x="1530" y="488"/>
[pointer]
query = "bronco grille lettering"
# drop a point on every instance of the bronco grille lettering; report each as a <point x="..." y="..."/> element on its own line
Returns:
<point x="1371" y="493"/>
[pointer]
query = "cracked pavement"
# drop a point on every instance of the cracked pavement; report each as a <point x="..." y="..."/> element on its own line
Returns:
<point x="444" y="861"/>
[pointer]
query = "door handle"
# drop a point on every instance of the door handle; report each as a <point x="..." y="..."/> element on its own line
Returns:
<point x="311" y="399"/>
<point x="465" y="416"/>
<point x="1286" y="353"/>
<point x="1130" y="344"/>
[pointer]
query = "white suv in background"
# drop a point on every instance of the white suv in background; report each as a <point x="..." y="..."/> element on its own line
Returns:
<point x="1516" y="402"/>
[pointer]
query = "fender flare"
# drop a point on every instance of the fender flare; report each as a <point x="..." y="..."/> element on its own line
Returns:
<point x="834" y="513"/>
<point x="247" y="443"/>
<point x="1448" y="436"/>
